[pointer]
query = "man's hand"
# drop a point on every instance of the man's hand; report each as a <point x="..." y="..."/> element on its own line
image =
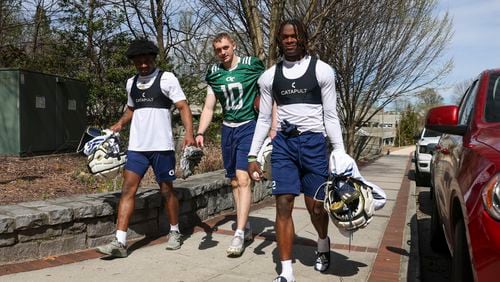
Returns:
<point x="126" y="118"/>
<point x="188" y="141"/>
<point x="200" y="141"/>
<point x="117" y="127"/>
<point x="254" y="171"/>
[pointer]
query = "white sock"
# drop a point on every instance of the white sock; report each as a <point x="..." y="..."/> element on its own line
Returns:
<point x="287" y="270"/>
<point x="323" y="245"/>
<point x="239" y="232"/>
<point x="174" y="227"/>
<point x="121" y="236"/>
<point x="247" y="226"/>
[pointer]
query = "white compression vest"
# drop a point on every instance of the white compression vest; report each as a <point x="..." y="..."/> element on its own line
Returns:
<point x="321" y="118"/>
<point x="151" y="128"/>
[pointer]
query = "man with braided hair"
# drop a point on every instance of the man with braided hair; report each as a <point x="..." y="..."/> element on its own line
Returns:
<point x="151" y="94"/>
<point x="233" y="82"/>
<point x="303" y="87"/>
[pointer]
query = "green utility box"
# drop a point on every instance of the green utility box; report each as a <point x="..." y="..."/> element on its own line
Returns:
<point x="40" y="113"/>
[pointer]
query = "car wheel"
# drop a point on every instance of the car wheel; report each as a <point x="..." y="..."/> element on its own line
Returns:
<point x="438" y="242"/>
<point x="461" y="269"/>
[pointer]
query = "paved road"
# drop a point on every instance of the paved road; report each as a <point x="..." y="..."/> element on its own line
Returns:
<point x="434" y="266"/>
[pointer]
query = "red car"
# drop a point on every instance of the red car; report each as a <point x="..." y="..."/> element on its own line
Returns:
<point x="466" y="179"/>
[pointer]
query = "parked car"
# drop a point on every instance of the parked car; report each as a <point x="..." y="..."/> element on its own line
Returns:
<point x="466" y="179"/>
<point x="424" y="148"/>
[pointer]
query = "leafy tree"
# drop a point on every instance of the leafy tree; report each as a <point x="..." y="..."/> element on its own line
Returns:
<point x="95" y="26"/>
<point x="428" y="98"/>
<point x="408" y="127"/>
<point x="12" y="51"/>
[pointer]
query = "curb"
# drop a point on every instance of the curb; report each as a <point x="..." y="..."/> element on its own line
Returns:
<point x="413" y="271"/>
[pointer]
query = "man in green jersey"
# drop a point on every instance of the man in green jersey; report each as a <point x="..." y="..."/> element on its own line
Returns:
<point x="233" y="82"/>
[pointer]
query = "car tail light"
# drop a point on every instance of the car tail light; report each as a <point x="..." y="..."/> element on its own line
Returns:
<point x="491" y="197"/>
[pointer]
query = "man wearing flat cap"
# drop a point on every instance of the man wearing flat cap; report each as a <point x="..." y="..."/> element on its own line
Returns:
<point x="151" y="93"/>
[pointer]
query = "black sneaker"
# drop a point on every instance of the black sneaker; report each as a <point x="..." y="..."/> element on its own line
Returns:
<point x="281" y="279"/>
<point x="322" y="260"/>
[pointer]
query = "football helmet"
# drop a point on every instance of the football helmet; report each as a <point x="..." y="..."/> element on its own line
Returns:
<point x="191" y="157"/>
<point x="88" y="134"/>
<point x="105" y="158"/>
<point x="264" y="158"/>
<point x="348" y="215"/>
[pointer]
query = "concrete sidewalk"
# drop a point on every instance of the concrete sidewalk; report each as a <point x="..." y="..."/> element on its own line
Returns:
<point x="377" y="253"/>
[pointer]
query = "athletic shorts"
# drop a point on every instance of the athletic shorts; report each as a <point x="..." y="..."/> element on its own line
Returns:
<point x="235" y="144"/>
<point x="162" y="162"/>
<point x="299" y="164"/>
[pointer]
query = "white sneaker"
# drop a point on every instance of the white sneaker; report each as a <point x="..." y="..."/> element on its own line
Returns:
<point x="236" y="247"/>
<point x="114" y="249"/>
<point x="174" y="240"/>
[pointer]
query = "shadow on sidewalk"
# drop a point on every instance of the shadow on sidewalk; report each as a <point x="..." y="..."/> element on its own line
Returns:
<point x="340" y="265"/>
<point x="304" y="252"/>
<point x="258" y="224"/>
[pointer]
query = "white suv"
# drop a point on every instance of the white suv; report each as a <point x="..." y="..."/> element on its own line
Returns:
<point x="426" y="142"/>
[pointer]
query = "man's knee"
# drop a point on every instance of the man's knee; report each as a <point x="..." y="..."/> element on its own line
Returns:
<point x="167" y="194"/>
<point x="284" y="205"/>
<point x="316" y="211"/>
<point x="128" y="190"/>
<point x="244" y="182"/>
<point x="167" y="191"/>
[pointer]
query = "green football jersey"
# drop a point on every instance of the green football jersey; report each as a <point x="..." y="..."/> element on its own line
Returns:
<point x="236" y="88"/>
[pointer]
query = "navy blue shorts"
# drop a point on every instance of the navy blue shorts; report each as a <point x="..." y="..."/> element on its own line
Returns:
<point x="299" y="164"/>
<point x="235" y="144"/>
<point x="162" y="162"/>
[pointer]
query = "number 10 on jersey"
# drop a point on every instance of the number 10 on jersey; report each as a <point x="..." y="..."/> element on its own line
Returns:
<point x="234" y="101"/>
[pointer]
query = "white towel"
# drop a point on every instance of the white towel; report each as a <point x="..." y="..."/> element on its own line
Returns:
<point x="342" y="163"/>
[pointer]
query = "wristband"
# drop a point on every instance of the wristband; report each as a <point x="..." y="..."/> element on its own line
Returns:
<point x="199" y="134"/>
<point x="252" y="159"/>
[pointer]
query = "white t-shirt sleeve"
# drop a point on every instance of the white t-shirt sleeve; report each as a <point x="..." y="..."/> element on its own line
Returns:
<point x="171" y="87"/>
<point x="265" y="111"/>
<point x="326" y="80"/>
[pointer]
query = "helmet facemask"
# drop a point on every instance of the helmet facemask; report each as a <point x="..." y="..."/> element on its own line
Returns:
<point x="106" y="159"/>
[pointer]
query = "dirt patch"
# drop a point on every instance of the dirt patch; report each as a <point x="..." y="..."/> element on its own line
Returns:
<point x="46" y="177"/>
<point x="54" y="176"/>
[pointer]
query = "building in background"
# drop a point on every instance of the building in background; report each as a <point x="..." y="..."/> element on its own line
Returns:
<point x="380" y="131"/>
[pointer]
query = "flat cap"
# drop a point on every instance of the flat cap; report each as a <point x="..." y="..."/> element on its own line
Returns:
<point x="141" y="47"/>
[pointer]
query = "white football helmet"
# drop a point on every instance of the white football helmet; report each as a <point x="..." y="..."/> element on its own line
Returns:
<point x="353" y="215"/>
<point x="106" y="159"/>
<point x="264" y="158"/>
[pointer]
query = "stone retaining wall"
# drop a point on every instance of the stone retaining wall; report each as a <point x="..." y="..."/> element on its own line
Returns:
<point x="33" y="230"/>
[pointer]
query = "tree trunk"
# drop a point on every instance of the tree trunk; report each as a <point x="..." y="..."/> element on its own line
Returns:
<point x="276" y="15"/>
<point x="157" y="16"/>
<point x="349" y="138"/>
<point x="253" y="18"/>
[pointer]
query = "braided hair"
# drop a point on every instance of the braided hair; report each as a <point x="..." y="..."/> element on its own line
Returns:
<point x="300" y="30"/>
